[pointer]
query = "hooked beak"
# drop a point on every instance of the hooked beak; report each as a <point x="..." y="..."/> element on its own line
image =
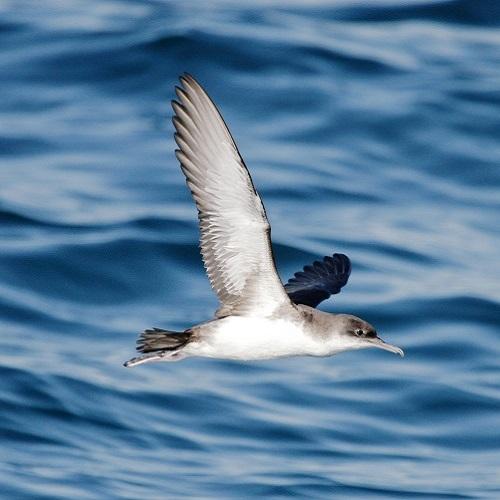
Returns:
<point x="377" y="342"/>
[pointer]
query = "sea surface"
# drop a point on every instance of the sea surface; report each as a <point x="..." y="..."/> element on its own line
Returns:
<point x="371" y="128"/>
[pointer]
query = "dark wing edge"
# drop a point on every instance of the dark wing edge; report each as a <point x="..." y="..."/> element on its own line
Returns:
<point x="319" y="280"/>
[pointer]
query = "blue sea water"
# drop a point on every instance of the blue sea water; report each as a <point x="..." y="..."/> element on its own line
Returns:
<point x="370" y="128"/>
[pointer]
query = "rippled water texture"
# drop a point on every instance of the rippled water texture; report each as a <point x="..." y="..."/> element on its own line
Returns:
<point x="370" y="128"/>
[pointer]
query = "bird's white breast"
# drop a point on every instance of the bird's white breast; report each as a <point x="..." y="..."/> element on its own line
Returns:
<point x="252" y="338"/>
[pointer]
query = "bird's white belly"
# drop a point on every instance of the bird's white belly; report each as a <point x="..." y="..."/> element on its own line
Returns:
<point x="249" y="338"/>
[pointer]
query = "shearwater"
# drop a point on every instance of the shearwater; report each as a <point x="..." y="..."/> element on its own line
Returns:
<point x="258" y="318"/>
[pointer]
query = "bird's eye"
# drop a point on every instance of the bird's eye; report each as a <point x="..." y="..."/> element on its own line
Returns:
<point x="359" y="332"/>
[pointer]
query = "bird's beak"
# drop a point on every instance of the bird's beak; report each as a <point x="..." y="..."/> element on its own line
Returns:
<point x="377" y="342"/>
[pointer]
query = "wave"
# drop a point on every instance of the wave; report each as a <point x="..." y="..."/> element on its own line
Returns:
<point x="369" y="129"/>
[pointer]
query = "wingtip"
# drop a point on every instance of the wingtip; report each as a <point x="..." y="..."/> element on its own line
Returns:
<point x="341" y="259"/>
<point x="186" y="79"/>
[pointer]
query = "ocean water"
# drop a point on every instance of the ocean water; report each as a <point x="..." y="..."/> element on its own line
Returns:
<point x="370" y="128"/>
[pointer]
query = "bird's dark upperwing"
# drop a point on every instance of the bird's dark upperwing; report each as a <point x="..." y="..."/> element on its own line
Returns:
<point x="319" y="280"/>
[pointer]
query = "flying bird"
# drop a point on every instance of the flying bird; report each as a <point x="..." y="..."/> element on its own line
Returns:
<point x="257" y="318"/>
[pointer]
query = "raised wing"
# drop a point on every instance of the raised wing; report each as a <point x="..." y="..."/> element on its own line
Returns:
<point x="235" y="233"/>
<point x="319" y="280"/>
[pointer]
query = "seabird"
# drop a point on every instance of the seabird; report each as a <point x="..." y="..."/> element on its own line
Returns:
<point x="257" y="318"/>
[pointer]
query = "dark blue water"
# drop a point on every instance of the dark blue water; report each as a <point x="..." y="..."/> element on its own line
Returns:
<point x="370" y="128"/>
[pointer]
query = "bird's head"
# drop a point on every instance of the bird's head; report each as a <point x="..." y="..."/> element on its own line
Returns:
<point x="355" y="333"/>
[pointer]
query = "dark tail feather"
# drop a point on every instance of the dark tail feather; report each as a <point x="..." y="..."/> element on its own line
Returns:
<point x="159" y="345"/>
<point x="162" y="340"/>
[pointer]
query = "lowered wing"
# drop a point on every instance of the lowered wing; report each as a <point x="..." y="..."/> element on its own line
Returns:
<point x="320" y="280"/>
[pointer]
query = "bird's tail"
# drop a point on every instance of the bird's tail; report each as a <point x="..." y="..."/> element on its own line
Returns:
<point x="159" y="345"/>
